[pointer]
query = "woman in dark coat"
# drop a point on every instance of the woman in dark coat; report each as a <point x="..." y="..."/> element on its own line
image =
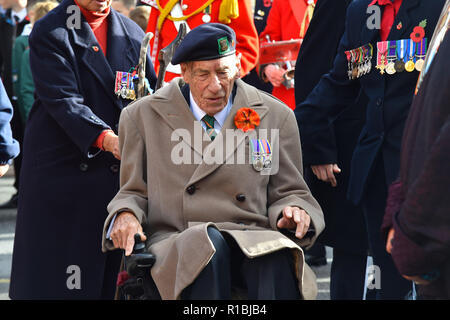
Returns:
<point x="70" y="166"/>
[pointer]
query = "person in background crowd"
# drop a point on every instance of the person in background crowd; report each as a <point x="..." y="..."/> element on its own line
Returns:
<point x="19" y="46"/>
<point x="287" y="20"/>
<point x="9" y="148"/>
<point x="417" y="221"/>
<point x="11" y="26"/>
<point x="390" y="89"/>
<point x="123" y="6"/>
<point x="71" y="158"/>
<point x="261" y="9"/>
<point x="345" y="229"/>
<point x="140" y="15"/>
<point x="25" y="79"/>
<point x="236" y="14"/>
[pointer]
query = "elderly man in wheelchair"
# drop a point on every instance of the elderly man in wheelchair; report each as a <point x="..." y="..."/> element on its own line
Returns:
<point x="211" y="183"/>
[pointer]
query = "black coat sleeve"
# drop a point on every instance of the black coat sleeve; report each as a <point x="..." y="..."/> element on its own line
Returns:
<point x="332" y="95"/>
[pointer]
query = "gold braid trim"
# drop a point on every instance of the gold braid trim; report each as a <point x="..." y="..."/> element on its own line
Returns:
<point x="229" y="9"/>
<point x="308" y="15"/>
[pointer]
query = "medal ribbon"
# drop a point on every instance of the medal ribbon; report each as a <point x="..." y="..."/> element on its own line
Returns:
<point x="411" y="49"/>
<point x="401" y="49"/>
<point x="392" y="48"/>
<point x="382" y="51"/>
<point x="423" y="48"/>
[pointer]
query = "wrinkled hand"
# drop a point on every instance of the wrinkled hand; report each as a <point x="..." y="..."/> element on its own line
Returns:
<point x="111" y="144"/>
<point x="3" y="169"/>
<point x="325" y="172"/>
<point x="295" y="218"/>
<point x="125" y="227"/>
<point x="274" y="74"/>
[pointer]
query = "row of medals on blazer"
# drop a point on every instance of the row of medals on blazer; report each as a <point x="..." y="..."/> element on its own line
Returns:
<point x="393" y="57"/>
<point x="393" y="54"/>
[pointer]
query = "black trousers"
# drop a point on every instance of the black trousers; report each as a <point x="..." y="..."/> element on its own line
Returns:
<point x="393" y="286"/>
<point x="268" y="277"/>
<point x="347" y="275"/>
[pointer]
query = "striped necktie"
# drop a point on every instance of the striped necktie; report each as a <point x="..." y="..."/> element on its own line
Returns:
<point x="209" y="121"/>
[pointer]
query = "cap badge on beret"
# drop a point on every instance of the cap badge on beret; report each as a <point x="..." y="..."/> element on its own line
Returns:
<point x="224" y="46"/>
<point x="206" y="42"/>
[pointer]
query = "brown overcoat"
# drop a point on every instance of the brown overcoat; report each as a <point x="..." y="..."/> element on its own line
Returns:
<point x="176" y="202"/>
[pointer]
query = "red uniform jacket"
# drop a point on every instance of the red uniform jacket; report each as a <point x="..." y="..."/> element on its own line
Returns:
<point x="284" y="23"/>
<point x="246" y="35"/>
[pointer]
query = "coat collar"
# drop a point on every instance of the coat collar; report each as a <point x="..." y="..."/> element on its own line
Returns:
<point x="119" y="54"/>
<point x="178" y="115"/>
<point x="403" y="16"/>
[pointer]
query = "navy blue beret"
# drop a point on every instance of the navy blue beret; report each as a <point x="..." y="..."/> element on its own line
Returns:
<point x="208" y="41"/>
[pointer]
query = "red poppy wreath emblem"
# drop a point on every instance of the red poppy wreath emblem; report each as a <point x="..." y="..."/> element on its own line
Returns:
<point x="419" y="32"/>
<point x="246" y="119"/>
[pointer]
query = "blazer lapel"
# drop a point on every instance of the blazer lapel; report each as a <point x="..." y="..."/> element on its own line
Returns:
<point x="404" y="16"/>
<point x="120" y="48"/>
<point x="94" y="59"/>
<point x="178" y="115"/>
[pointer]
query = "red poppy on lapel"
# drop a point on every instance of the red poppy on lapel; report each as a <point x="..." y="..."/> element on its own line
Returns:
<point x="419" y="32"/>
<point x="246" y="119"/>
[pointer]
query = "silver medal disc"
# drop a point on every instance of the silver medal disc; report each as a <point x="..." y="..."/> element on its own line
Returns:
<point x="206" y="18"/>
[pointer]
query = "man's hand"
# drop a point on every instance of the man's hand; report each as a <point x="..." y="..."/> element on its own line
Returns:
<point x="125" y="227"/>
<point x="111" y="144"/>
<point x="297" y="218"/>
<point x="3" y="169"/>
<point x="325" y="172"/>
<point x="274" y="74"/>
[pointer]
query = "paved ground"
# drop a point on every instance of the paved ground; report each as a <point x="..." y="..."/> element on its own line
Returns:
<point x="7" y="227"/>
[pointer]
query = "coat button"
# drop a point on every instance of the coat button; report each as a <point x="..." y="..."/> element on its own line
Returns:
<point x="114" y="168"/>
<point x="84" y="167"/>
<point x="240" y="197"/>
<point x="191" y="189"/>
<point x="379" y="102"/>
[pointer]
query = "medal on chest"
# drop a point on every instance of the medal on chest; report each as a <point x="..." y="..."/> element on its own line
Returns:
<point x="401" y="51"/>
<point x="359" y="61"/>
<point x="382" y="48"/>
<point x="411" y="50"/>
<point x="421" y="52"/>
<point x="261" y="153"/>
<point x="392" y="48"/>
<point x="124" y="85"/>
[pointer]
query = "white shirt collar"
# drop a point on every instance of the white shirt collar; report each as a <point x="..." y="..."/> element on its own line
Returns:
<point x="21" y="14"/>
<point x="220" y="116"/>
<point x="27" y="29"/>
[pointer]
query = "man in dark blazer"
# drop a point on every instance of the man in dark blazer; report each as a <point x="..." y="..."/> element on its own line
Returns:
<point x="345" y="229"/>
<point x="11" y="26"/>
<point x="9" y="147"/>
<point x="375" y="162"/>
<point x="67" y="180"/>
